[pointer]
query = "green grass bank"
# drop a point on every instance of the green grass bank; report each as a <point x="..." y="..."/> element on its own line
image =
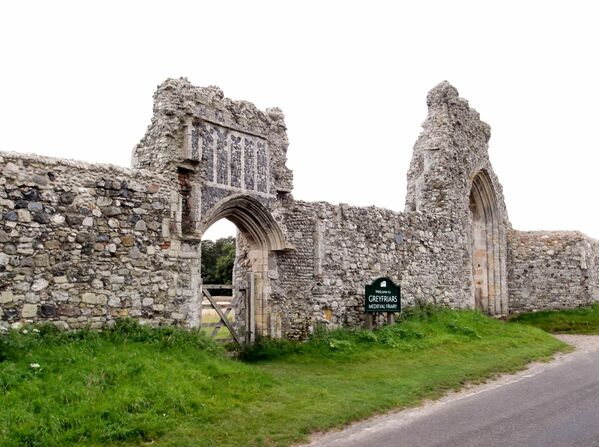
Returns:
<point x="584" y="320"/>
<point x="133" y="385"/>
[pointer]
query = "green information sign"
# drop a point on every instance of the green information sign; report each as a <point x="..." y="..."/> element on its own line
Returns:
<point x="382" y="296"/>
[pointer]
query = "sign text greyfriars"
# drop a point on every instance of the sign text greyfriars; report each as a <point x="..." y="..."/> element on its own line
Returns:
<point x="382" y="296"/>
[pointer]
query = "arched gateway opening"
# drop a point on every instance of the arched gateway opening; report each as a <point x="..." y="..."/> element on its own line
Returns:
<point x="259" y="236"/>
<point x="485" y="246"/>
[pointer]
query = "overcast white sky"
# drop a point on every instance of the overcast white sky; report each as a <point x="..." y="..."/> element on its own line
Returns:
<point x="77" y="78"/>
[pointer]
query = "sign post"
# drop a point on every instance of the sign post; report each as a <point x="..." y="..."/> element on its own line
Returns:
<point x="381" y="296"/>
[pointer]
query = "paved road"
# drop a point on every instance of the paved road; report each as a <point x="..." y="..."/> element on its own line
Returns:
<point x="549" y="405"/>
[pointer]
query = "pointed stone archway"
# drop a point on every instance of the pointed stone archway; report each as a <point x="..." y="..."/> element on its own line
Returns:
<point x="251" y="218"/>
<point x="261" y="237"/>
<point x="486" y="248"/>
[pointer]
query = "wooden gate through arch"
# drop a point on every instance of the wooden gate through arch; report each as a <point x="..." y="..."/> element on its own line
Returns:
<point x="219" y="312"/>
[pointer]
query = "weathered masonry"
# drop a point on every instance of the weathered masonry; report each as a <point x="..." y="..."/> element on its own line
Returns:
<point x="83" y="244"/>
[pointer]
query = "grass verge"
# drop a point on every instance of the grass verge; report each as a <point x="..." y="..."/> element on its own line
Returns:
<point x="133" y="385"/>
<point x="223" y="333"/>
<point x="584" y="320"/>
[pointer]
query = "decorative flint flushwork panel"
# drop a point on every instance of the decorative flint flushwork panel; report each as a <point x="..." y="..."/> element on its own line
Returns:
<point x="230" y="159"/>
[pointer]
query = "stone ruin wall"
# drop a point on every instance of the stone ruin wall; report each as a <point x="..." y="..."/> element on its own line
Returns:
<point x="341" y="248"/>
<point x="187" y="120"/>
<point x="450" y="156"/>
<point x="82" y="244"/>
<point x="594" y="283"/>
<point x="552" y="270"/>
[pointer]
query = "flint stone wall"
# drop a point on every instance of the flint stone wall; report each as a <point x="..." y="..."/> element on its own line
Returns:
<point x="451" y="152"/>
<point x="338" y="249"/>
<point x="186" y="117"/>
<point x="551" y="270"/>
<point x="224" y="148"/>
<point x="82" y="244"/>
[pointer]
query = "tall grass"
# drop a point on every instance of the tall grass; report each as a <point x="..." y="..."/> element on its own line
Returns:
<point x="584" y="320"/>
<point x="135" y="385"/>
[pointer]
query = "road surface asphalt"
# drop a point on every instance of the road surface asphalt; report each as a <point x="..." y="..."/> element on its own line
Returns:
<point x="553" y="404"/>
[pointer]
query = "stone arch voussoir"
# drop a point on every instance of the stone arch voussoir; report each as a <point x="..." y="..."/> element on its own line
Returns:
<point x="488" y="255"/>
<point x="252" y="218"/>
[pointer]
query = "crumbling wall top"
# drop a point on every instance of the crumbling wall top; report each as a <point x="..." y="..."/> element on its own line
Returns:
<point x="451" y="150"/>
<point x="178" y="105"/>
<point x="107" y="168"/>
<point x="445" y="107"/>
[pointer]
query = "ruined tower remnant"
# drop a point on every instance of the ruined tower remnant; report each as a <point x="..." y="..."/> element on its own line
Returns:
<point x="451" y="174"/>
<point x="82" y="244"/>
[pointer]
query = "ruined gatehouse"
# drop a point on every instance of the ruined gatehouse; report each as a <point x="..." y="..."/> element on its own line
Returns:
<point x="83" y="244"/>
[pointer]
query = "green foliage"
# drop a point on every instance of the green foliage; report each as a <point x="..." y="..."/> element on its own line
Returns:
<point x="14" y="345"/>
<point x="367" y="336"/>
<point x="9" y="346"/>
<point x="164" y="336"/>
<point x="416" y="328"/>
<point x="584" y="320"/>
<point x="224" y="263"/>
<point x="421" y="310"/>
<point x="217" y="260"/>
<point x="456" y="328"/>
<point x="126" y="384"/>
<point x="135" y="385"/>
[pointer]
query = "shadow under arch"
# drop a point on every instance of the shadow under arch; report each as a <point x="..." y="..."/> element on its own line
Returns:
<point x="487" y="256"/>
